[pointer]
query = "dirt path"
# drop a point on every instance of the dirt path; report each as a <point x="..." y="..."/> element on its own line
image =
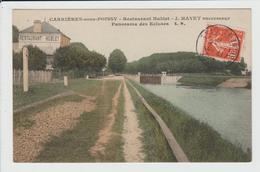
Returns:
<point x="133" y="147"/>
<point x="29" y="142"/>
<point x="235" y="83"/>
<point x="105" y="134"/>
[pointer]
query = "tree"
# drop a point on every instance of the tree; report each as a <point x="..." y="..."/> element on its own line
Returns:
<point x="36" y="61"/>
<point x="17" y="61"/>
<point x="98" y="61"/>
<point x="243" y="64"/>
<point x="117" y="61"/>
<point x="65" y="58"/>
<point x="15" y="34"/>
<point x="76" y="57"/>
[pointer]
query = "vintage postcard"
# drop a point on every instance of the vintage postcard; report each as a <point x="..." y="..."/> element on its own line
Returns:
<point x="132" y="85"/>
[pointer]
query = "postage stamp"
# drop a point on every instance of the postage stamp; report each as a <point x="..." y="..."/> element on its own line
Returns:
<point x="223" y="43"/>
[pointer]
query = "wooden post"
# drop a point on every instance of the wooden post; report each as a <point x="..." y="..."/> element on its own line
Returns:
<point x="65" y="81"/>
<point x="139" y="77"/>
<point x="25" y="69"/>
<point x="163" y="77"/>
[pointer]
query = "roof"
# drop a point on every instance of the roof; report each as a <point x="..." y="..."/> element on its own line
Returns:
<point x="46" y="28"/>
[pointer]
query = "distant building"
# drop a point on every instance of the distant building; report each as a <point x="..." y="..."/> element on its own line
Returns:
<point x="45" y="36"/>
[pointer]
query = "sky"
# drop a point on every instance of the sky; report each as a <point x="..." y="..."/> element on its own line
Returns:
<point x="179" y="33"/>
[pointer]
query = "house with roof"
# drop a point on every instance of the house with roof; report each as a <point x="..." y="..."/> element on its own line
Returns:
<point x="45" y="36"/>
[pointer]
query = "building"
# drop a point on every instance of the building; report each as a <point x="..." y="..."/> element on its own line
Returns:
<point x="45" y="36"/>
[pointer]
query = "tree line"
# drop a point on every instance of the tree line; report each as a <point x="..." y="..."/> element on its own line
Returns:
<point x="73" y="57"/>
<point x="183" y="62"/>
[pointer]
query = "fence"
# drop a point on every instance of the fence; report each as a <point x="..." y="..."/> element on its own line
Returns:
<point x="74" y="74"/>
<point x="34" y="77"/>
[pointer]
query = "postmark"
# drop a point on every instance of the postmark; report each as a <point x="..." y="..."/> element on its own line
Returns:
<point x="221" y="43"/>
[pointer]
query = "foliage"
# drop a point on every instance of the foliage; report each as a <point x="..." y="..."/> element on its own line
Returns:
<point x="15" y="34"/>
<point x="36" y="61"/>
<point x="117" y="61"/>
<point x="78" y="57"/>
<point x="182" y="62"/>
<point x="17" y="60"/>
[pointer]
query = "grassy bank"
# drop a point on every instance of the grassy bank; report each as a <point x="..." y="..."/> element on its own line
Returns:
<point x="202" y="80"/>
<point x="73" y="145"/>
<point x="156" y="147"/>
<point x="199" y="141"/>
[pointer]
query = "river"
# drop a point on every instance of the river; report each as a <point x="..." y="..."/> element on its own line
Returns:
<point x="227" y="110"/>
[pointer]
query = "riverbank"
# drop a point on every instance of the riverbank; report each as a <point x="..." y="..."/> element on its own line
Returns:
<point x="236" y="83"/>
<point x="206" y="80"/>
<point x="216" y="81"/>
<point x="201" y="80"/>
<point x="200" y="142"/>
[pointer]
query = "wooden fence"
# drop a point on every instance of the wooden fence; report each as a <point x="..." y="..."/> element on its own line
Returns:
<point x="34" y="77"/>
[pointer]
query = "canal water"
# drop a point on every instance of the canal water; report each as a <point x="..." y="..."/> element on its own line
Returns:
<point x="227" y="110"/>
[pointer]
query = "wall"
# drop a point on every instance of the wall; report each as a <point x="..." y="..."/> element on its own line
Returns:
<point x="64" y="41"/>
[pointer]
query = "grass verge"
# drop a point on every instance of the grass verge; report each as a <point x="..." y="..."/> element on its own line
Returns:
<point x="114" y="149"/>
<point x="156" y="147"/>
<point x="73" y="145"/>
<point x="86" y="87"/>
<point x="44" y="90"/>
<point x="36" y="93"/>
<point x="199" y="141"/>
